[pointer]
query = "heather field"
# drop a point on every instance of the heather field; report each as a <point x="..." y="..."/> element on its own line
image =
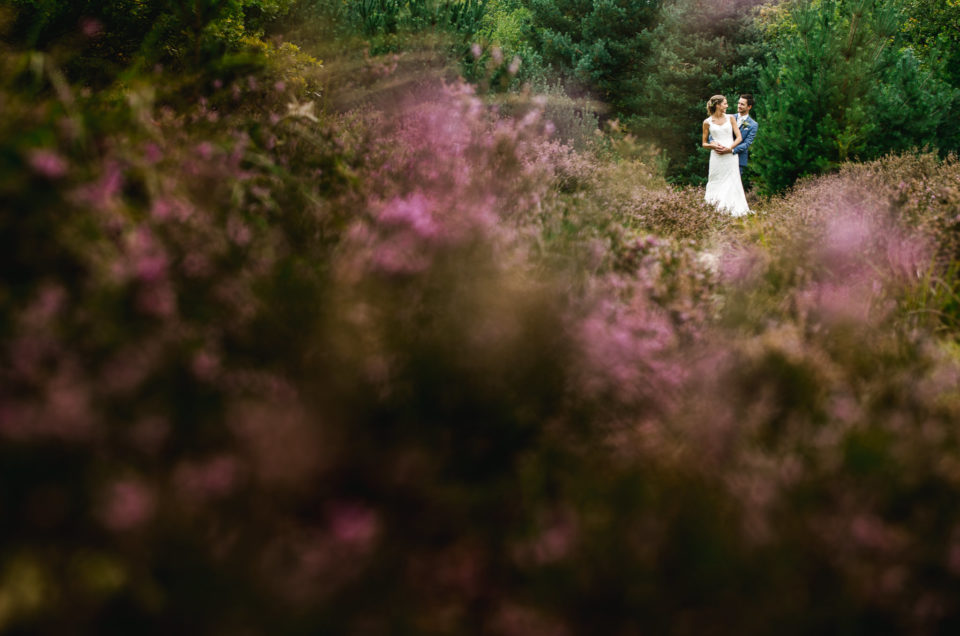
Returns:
<point x="305" y="332"/>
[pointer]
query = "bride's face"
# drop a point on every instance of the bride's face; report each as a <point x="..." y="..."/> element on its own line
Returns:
<point x="721" y="107"/>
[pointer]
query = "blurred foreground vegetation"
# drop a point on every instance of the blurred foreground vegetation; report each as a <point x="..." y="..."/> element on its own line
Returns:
<point x="301" y="333"/>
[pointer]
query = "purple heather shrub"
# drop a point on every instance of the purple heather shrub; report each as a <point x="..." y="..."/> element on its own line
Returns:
<point x="422" y="350"/>
<point x="628" y="353"/>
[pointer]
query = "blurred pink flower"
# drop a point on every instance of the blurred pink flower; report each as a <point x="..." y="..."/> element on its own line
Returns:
<point x="148" y="258"/>
<point x="204" y="150"/>
<point x="157" y="299"/>
<point x="400" y="254"/>
<point x="127" y="504"/>
<point x="49" y="302"/>
<point x="353" y="525"/>
<point x="48" y="163"/>
<point x="414" y="212"/>
<point x="206" y="479"/>
<point x="152" y="153"/>
<point x="91" y="27"/>
<point x="102" y="193"/>
<point x="205" y="365"/>
<point x="238" y="231"/>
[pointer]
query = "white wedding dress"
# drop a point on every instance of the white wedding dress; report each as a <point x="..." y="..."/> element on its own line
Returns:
<point x="724" y="189"/>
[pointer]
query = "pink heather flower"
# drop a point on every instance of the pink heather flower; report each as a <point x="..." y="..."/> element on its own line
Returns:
<point x="414" y="212"/>
<point x="148" y="257"/>
<point x="838" y="302"/>
<point x="218" y="84"/>
<point x="161" y="209"/>
<point x="211" y="479"/>
<point x="49" y="303"/>
<point x="205" y="150"/>
<point x="205" y="365"/>
<point x="127" y="505"/>
<point x="280" y="86"/>
<point x="152" y="153"/>
<point x="476" y="50"/>
<point x="514" y="65"/>
<point x="400" y="255"/>
<point x="48" y="163"/>
<point x="741" y="265"/>
<point x="196" y="265"/>
<point x="157" y="299"/>
<point x="496" y="54"/>
<point x="91" y="27"/>
<point x="354" y="525"/>
<point x="846" y="236"/>
<point x="555" y="542"/>
<point x="238" y="231"/>
<point x="102" y="193"/>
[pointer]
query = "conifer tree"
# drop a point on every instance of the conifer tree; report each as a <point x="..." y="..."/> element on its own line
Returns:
<point x="599" y="43"/>
<point x="821" y="85"/>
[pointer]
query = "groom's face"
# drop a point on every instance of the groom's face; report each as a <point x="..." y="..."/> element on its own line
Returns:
<point x="742" y="107"/>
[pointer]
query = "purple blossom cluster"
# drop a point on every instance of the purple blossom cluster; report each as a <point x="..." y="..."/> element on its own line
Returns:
<point x="418" y="367"/>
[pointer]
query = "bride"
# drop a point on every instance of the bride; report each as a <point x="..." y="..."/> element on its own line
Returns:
<point x="724" y="189"/>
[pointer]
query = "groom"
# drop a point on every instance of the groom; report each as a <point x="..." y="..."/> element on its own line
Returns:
<point x="748" y="130"/>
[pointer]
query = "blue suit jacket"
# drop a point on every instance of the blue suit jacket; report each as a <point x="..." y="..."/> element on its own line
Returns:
<point x="748" y="131"/>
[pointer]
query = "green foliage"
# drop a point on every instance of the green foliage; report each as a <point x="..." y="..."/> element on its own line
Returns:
<point x="933" y="28"/>
<point x="507" y="32"/>
<point x="914" y="109"/>
<point x="601" y="44"/>
<point x="373" y="17"/>
<point x="820" y="87"/>
<point x="108" y="36"/>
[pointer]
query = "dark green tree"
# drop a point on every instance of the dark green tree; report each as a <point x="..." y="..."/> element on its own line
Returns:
<point x="821" y="85"/>
<point x="932" y="27"/>
<point x="601" y="44"/>
<point x="914" y="109"/>
<point x="107" y="36"/>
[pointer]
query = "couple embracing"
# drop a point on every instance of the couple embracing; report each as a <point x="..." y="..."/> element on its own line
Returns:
<point x="728" y="139"/>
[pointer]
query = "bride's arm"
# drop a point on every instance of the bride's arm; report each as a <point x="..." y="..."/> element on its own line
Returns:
<point x="737" y="137"/>
<point x="712" y="145"/>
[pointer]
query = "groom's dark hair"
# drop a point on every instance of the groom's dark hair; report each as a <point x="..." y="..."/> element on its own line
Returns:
<point x="749" y="98"/>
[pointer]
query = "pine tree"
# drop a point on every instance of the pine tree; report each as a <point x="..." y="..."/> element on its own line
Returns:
<point x="599" y="43"/>
<point x="821" y="86"/>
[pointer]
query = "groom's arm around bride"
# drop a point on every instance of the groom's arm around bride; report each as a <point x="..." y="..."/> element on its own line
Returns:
<point x="748" y="129"/>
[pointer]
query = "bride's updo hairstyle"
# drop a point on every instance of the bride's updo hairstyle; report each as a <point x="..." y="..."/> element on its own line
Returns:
<point x="713" y="103"/>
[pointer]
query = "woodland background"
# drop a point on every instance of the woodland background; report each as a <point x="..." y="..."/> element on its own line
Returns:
<point x="388" y="316"/>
